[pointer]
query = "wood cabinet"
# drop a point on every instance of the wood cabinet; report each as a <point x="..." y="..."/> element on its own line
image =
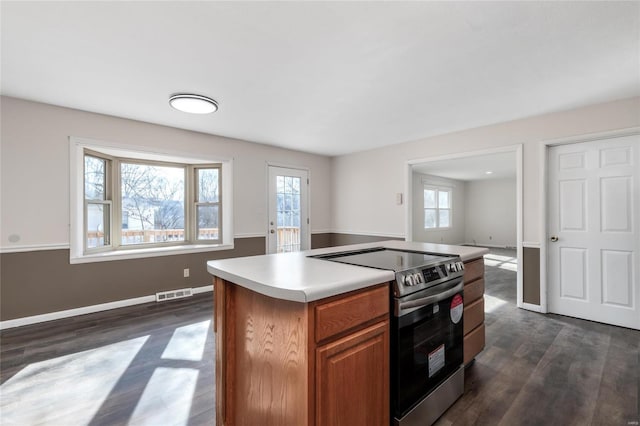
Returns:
<point x="351" y="387"/>
<point x="473" y="318"/>
<point x="287" y="363"/>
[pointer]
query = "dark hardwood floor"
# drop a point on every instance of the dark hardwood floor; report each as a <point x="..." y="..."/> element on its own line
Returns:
<point x="142" y="365"/>
<point x="153" y="364"/>
<point x="546" y="369"/>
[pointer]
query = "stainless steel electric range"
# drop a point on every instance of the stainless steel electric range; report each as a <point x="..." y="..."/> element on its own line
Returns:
<point x="427" y="375"/>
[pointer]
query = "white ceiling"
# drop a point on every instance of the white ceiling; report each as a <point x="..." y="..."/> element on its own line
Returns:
<point x="501" y="165"/>
<point x="323" y="77"/>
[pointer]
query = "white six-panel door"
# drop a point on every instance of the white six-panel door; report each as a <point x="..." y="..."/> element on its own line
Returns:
<point x="594" y="241"/>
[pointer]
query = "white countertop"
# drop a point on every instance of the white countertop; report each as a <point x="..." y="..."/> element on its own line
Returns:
<point x="299" y="278"/>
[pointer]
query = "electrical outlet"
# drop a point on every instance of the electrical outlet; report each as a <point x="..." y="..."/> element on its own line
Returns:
<point x="186" y="272"/>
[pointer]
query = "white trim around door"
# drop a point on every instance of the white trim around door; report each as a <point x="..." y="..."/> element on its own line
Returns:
<point x="544" y="193"/>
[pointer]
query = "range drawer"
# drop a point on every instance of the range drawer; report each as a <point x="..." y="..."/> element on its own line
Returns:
<point x="348" y="312"/>
<point x="473" y="270"/>
<point x="473" y="291"/>
<point x="473" y="343"/>
<point x="473" y="315"/>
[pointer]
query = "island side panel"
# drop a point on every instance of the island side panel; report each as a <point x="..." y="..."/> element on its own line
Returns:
<point x="473" y="319"/>
<point x="269" y="348"/>
<point x="219" y="314"/>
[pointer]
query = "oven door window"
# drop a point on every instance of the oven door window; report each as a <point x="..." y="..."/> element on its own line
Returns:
<point x="428" y="348"/>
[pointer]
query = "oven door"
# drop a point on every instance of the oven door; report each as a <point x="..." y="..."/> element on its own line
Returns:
<point x="427" y="338"/>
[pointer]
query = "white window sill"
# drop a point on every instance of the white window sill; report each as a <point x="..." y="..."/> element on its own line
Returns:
<point x="147" y="252"/>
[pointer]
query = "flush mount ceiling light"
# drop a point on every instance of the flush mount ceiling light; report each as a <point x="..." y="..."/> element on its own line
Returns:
<point x="194" y="104"/>
<point x="488" y="172"/>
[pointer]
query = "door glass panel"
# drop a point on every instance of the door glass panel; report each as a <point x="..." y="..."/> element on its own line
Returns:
<point x="288" y="213"/>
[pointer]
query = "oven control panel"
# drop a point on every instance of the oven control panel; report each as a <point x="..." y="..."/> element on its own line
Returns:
<point x="412" y="280"/>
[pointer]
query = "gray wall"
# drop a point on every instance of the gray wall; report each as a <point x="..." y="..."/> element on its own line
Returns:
<point x="36" y="277"/>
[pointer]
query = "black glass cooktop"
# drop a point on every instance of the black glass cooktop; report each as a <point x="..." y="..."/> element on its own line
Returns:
<point x="381" y="258"/>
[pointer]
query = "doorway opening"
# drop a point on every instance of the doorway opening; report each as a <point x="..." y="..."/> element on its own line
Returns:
<point x="472" y="198"/>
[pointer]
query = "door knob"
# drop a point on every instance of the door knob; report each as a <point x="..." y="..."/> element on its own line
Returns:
<point x="554" y="238"/>
<point x="272" y="231"/>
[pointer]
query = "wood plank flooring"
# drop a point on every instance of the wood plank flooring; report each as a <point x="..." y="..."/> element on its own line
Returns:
<point x="149" y="364"/>
<point x="154" y="364"/>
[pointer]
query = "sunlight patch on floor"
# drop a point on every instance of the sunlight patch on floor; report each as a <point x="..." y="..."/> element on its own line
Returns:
<point x="71" y="382"/>
<point x="187" y="342"/>
<point x="167" y="398"/>
<point x="492" y="303"/>
<point x="503" y="262"/>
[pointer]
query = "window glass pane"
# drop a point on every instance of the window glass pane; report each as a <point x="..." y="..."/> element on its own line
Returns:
<point x="207" y="217"/>
<point x="153" y="200"/>
<point x="296" y="185"/>
<point x="97" y="225"/>
<point x="443" y="199"/>
<point x="429" y="198"/>
<point x="94" y="178"/>
<point x="288" y="184"/>
<point x="280" y="184"/>
<point x="444" y="218"/>
<point x="429" y="218"/>
<point x="208" y="185"/>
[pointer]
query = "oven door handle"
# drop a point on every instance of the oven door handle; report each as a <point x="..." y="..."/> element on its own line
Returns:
<point x="411" y="305"/>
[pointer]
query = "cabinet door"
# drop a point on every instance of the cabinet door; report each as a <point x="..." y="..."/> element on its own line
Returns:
<point x="352" y="379"/>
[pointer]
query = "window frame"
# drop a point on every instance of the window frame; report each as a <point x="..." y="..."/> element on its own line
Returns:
<point x="113" y="152"/>
<point x="107" y="201"/>
<point x="437" y="189"/>
<point x="195" y="202"/>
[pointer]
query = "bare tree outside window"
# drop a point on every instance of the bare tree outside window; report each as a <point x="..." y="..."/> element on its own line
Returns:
<point x="208" y="203"/>
<point x="129" y="202"/>
<point x="152" y="200"/>
<point x="97" y="206"/>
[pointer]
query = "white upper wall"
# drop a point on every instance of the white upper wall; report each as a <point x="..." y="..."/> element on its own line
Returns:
<point x="365" y="184"/>
<point x="490" y="216"/>
<point x="34" y="200"/>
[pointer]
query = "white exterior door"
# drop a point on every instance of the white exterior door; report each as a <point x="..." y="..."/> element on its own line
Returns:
<point x="288" y="221"/>
<point x="594" y="241"/>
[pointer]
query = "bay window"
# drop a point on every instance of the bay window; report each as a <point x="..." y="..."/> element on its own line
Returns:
<point x="140" y="203"/>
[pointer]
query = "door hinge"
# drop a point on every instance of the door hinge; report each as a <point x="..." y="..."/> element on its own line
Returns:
<point x="307" y="221"/>
<point x="307" y="181"/>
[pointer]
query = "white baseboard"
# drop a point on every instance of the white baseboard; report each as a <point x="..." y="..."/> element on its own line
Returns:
<point x="369" y="234"/>
<point x="18" y="322"/>
<point x="530" y="244"/>
<point x="488" y="245"/>
<point x="531" y="307"/>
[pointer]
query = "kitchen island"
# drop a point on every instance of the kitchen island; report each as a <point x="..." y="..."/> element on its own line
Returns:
<point x="301" y="340"/>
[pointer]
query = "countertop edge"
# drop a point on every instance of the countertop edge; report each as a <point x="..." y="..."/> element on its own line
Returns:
<point x="235" y="270"/>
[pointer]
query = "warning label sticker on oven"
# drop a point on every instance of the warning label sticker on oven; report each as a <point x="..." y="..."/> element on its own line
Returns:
<point x="456" y="309"/>
<point x="436" y="360"/>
